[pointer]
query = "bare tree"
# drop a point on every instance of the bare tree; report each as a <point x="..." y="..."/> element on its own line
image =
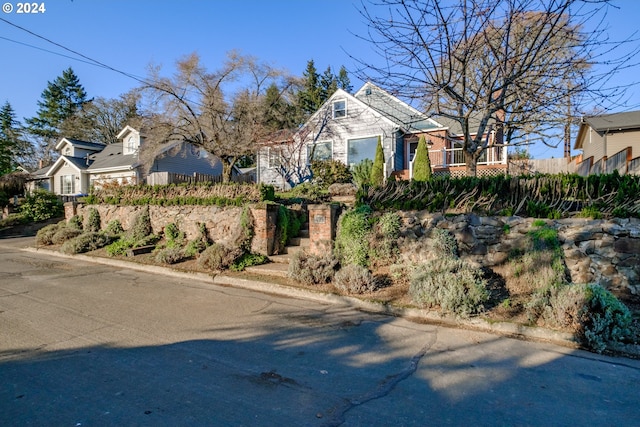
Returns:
<point x="219" y="111"/>
<point x="508" y="66"/>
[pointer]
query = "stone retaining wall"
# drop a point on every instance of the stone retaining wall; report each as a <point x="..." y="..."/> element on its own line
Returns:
<point x="223" y="224"/>
<point x="606" y="252"/>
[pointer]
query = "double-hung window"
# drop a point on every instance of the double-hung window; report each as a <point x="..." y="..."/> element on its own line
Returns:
<point x="339" y="108"/>
<point x="67" y="184"/>
<point x="274" y="158"/>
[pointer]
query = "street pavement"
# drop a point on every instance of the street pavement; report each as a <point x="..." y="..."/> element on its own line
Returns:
<point x="85" y="344"/>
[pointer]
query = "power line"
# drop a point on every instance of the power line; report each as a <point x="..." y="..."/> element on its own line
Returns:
<point x="91" y="60"/>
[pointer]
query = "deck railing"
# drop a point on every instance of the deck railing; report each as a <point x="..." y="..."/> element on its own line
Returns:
<point x="452" y="157"/>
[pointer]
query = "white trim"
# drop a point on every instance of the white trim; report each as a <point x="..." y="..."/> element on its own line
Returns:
<point x="347" y="140"/>
<point x="124" y="131"/>
<point x="58" y="164"/>
<point x="325" y="141"/>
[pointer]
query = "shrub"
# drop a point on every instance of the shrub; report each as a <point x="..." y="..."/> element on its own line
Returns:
<point x="312" y="270"/>
<point x="606" y="320"/>
<point x="377" y="170"/>
<point x="170" y="255"/>
<point x="85" y="242"/>
<point x="141" y="227"/>
<point x="450" y="283"/>
<point x="351" y="242"/>
<point x="361" y="173"/>
<point x="93" y="222"/>
<point x="444" y="242"/>
<point x="383" y="241"/>
<point x="41" y="205"/>
<point x="12" y="220"/>
<point x="218" y="257"/>
<point x="63" y="234"/>
<point x="355" y="279"/>
<point x="202" y="242"/>
<point x="75" y="222"/>
<point x="44" y="236"/>
<point x="267" y="192"/>
<point x="120" y="247"/>
<point x="327" y="172"/>
<point x="114" y="228"/>
<point x="173" y="236"/>
<point x="247" y="260"/>
<point x="421" y="162"/>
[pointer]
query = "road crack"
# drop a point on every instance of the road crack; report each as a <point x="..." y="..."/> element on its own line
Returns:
<point x="382" y="389"/>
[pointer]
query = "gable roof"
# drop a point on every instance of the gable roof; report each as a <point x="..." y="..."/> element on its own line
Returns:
<point x="111" y="158"/>
<point x="78" y="163"/>
<point x="95" y="146"/>
<point x="614" y="122"/>
<point x="607" y="123"/>
<point x="401" y="113"/>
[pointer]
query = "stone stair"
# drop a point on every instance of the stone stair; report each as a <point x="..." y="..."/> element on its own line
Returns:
<point x="279" y="265"/>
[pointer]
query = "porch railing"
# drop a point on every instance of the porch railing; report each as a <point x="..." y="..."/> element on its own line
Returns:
<point x="452" y="157"/>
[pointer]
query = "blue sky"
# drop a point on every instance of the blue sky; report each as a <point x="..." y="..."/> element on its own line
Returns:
<point x="130" y="34"/>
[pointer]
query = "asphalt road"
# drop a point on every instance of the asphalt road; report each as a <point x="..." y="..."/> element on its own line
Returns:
<point x="83" y="344"/>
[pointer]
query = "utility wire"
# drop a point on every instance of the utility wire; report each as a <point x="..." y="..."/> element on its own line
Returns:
<point x="91" y="60"/>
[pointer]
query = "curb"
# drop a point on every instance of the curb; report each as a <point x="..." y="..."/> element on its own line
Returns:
<point x="508" y="329"/>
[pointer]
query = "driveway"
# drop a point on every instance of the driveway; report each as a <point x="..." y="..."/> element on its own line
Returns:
<point x="85" y="344"/>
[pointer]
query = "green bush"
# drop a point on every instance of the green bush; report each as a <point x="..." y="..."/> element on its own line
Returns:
<point x="351" y="244"/>
<point x="170" y="255"/>
<point x="218" y="257"/>
<point x="450" y="283"/>
<point x="421" y="162"/>
<point x="13" y="219"/>
<point x="75" y="222"/>
<point x="63" y="234"/>
<point x="361" y="173"/>
<point x="355" y="279"/>
<point x="141" y="227"/>
<point x="44" y="236"/>
<point x="93" y="222"/>
<point x="114" y="228"/>
<point x="445" y="242"/>
<point x="120" y="247"/>
<point x="173" y="235"/>
<point x="85" y="242"/>
<point x="267" y="192"/>
<point x="248" y="260"/>
<point x="312" y="270"/>
<point x="327" y="172"/>
<point x="606" y="320"/>
<point x="377" y="170"/>
<point x="41" y="205"/>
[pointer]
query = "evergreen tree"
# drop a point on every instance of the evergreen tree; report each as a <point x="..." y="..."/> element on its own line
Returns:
<point x="12" y="146"/>
<point x="310" y="97"/>
<point x="377" y="170"/>
<point x="278" y="113"/>
<point x="343" y="81"/>
<point x="421" y="161"/>
<point x="328" y="84"/>
<point x="60" y="101"/>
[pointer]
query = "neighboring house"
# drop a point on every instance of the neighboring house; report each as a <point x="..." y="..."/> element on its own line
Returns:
<point x="609" y="142"/>
<point x="82" y="164"/>
<point x="347" y="127"/>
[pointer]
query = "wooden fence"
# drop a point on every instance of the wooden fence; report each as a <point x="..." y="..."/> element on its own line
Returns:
<point x="165" y="178"/>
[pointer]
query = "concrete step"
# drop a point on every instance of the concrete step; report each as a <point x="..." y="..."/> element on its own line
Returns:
<point x="280" y="259"/>
<point x="270" y="269"/>
<point x="299" y="241"/>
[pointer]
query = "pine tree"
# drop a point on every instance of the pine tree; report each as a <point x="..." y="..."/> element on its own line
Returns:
<point x="278" y="113"/>
<point x="12" y="146"/>
<point x="328" y="84"/>
<point x="377" y="170"/>
<point x="421" y="162"/>
<point x="60" y="101"/>
<point x="310" y="97"/>
<point x="343" y="80"/>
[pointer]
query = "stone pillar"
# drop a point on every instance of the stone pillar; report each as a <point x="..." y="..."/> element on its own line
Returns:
<point x="265" y="220"/>
<point x="323" y="222"/>
<point x="70" y="209"/>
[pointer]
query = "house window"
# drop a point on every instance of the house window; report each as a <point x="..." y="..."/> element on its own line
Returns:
<point x="274" y="158"/>
<point x="360" y="149"/>
<point x="67" y="184"/>
<point x="320" y="151"/>
<point x="131" y="145"/>
<point x="67" y="151"/>
<point x="339" y="109"/>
